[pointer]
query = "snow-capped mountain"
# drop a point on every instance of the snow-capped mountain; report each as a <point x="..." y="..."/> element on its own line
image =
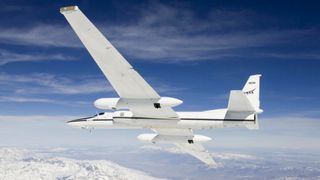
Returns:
<point x="25" y="164"/>
<point x="149" y="162"/>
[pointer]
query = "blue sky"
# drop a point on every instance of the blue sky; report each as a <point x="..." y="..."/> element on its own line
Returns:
<point x="196" y="51"/>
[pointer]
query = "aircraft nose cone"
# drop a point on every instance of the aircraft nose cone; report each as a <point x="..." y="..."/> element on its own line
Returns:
<point x="76" y="122"/>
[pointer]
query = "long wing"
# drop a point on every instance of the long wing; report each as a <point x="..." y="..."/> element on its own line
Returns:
<point x="123" y="78"/>
<point x="121" y="75"/>
<point x="195" y="149"/>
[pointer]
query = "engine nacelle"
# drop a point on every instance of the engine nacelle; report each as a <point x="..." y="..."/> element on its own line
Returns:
<point x="169" y="102"/>
<point x="123" y="103"/>
<point x="157" y="138"/>
<point x="107" y="103"/>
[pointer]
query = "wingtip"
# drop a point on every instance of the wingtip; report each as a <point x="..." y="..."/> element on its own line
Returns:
<point x="256" y="75"/>
<point x="68" y="9"/>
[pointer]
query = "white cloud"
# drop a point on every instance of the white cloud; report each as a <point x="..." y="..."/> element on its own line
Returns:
<point x="215" y="155"/>
<point x="292" y="123"/>
<point x="169" y="34"/>
<point x="280" y="55"/>
<point x="43" y="83"/>
<point x="14" y="118"/>
<point x="283" y="132"/>
<point x="174" y="150"/>
<point x="43" y="88"/>
<point x="166" y="88"/>
<point x="10" y="57"/>
<point x="23" y="88"/>
<point x="23" y="99"/>
<point x="44" y="35"/>
<point x="5" y="8"/>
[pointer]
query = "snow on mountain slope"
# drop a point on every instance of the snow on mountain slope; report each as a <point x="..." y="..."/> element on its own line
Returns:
<point x="24" y="164"/>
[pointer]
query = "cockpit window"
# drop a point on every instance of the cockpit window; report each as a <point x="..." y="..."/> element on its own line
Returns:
<point x="99" y="114"/>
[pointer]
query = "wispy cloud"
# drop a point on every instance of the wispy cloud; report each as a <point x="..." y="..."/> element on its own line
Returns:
<point x="42" y="83"/>
<point x="10" y="8"/>
<point x="10" y="57"/>
<point x="282" y="55"/>
<point x="36" y="87"/>
<point x="176" y="150"/>
<point x="165" y="88"/>
<point x="44" y="35"/>
<point x="11" y="118"/>
<point x="168" y="34"/>
<point x="289" y="132"/>
<point x="292" y="124"/>
<point x="24" y="99"/>
<point x="44" y="88"/>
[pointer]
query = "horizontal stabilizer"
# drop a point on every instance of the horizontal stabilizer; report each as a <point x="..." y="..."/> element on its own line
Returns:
<point x="239" y="102"/>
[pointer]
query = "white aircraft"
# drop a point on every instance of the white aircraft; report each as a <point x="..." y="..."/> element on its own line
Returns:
<point x="140" y="106"/>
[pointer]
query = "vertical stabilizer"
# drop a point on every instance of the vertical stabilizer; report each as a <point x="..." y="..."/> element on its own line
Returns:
<point x="252" y="90"/>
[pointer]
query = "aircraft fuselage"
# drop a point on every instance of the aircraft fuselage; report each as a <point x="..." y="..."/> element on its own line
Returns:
<point x="193" y="120"/>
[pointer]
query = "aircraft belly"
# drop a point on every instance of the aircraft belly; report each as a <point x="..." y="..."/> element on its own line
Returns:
<point x="200" y="124"/>
<point x="147" y="123"/>
<point x="91" y="124"/>
<point x="180" y="124"/>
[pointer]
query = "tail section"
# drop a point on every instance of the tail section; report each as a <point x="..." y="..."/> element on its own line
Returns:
<point x="245" y="104"/>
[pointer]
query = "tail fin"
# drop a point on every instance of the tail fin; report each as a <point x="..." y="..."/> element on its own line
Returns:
<point x="252" y="90"/>
<point x="246" y="104"/>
